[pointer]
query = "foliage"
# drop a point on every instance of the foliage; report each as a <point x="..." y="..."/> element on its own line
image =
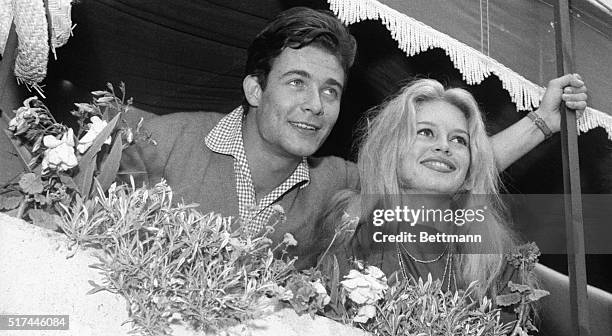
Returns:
<point x="172" y="263"/>
<point x="60" y="165"/>
<point x="424" y="308"/>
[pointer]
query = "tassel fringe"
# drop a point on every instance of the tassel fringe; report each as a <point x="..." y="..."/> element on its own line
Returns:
<point x="414" y="37"/>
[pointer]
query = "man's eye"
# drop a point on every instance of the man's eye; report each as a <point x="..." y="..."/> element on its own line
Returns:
<point x="297" y="82"/>
<point x="331" y="92"/>
<point x="425" y="132"/>
<point x="460" y="140"/>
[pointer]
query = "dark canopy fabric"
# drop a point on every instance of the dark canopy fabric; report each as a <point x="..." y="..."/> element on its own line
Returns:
<point x="185" y="55"/>
<point x="173" y="56"/>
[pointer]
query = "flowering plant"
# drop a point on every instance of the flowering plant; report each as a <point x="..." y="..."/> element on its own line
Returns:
<point x="418" y="307"/>
<point x="306" y="293"/>
<point x="58" y="163"/>
<point x="365" y="288"/>
<point x="197" y="270"/>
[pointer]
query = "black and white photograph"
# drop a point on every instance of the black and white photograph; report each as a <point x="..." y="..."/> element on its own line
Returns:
<point x="306" y="167"/>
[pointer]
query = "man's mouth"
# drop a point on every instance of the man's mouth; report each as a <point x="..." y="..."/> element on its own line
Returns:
<point x="304" y="126"/>
<point x="439" y="165"/>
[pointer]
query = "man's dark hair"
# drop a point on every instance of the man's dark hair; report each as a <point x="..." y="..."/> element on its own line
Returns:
<point x="296" y="28"/>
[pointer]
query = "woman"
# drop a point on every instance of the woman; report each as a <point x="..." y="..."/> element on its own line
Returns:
<point x="425" y="149"/>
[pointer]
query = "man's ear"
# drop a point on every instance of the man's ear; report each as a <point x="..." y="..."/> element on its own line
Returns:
<point x="252" y="90"/>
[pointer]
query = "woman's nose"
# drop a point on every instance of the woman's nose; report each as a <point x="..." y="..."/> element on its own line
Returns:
<point x="442" y="145"/>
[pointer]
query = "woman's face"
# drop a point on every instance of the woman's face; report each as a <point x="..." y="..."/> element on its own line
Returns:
<point x="439" y="158"/>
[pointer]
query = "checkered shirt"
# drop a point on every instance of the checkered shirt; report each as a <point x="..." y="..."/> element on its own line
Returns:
<point x="226" y="138"/>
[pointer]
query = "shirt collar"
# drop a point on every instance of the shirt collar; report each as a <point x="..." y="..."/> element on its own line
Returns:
<point x="226" y="138"/>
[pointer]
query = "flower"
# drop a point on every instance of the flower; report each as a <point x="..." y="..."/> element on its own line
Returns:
<point x="95" y="127"/>
<point x="19" y="124"/>
<point x="289" y="240"/>
<point x="302" y="290"/>
<point x="278" y="208"/>
<point x="367" y="287"/>
<point x="129" y="135"/>
<point x="321" y="292"/>
<point x="282" y="293"/>
<point x="59" y="154"/>
<point x="365" y="313"/>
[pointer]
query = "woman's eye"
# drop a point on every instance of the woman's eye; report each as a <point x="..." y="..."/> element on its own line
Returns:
<point x="460" y="140"/>
<point x="425" y="132"/>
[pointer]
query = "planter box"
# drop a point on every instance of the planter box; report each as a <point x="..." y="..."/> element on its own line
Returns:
<point x="37" y="278"/>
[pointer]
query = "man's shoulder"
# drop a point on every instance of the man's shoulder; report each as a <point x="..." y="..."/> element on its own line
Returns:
<point x="329" y="162"/>
<point x="332" y="170"/>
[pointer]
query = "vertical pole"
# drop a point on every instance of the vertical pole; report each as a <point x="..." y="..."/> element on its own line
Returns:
<point x="571" y="182"/>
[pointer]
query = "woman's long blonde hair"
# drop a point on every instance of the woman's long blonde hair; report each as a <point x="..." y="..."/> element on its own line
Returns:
<point x="390" y="129"/>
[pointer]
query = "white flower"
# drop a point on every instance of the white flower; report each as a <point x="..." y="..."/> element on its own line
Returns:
<point x="175" y="317"/>
<point x="365" y="313"/>
<point x="129" y="135"/>
<point x="289" y="240"/>
<point x="376" y="273"/>
<point x="365" y="288"/>
<point x="95" y="127"/>
<point x="320" y="289"/>
<point x="278" y="208"/>
<point x="19" y="123"/>
<point x="59" y="154"/>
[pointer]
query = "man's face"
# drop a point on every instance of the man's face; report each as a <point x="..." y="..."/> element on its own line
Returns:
<point x="296" y="111"/>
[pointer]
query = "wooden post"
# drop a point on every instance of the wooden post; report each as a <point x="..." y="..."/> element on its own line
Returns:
<point x="571" y="182"/>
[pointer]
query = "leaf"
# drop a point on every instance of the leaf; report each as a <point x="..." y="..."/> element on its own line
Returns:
<point x="508" y="299"/>
<point x="31" y="184"/>
<point x="10" y="203"/>
<point x="335" y="280"/>
<point x="84" y="178"/>
<point x="110" y="166"/>
<point x="87" y="163"/>
<point x="68" y="182"/>
<point x="537" y="294"/>
<point x="44" y="219"/>
<point x="40" y="198"/>
<point x="33" y="163"/>
<point x="22" y="151"/>
<point x="96" y="288"/>
<point x="515" y="287"/>
<point x="102" y="100"/>
<point x="37" y="143"/>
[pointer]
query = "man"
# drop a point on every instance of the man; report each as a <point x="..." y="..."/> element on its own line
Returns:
<point x="255" y="163"/>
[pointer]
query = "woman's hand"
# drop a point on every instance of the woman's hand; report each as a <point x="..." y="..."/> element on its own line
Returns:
<point x="569" y="89"/>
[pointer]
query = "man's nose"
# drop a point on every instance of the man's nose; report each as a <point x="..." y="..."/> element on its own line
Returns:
<point x="312" y="102"/>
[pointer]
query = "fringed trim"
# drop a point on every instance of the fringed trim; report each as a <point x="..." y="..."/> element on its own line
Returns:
<point x="414" y="37"/>
<point x="61" y="23"/>
<point x="592" y="118"/>
<point x="33" y="48"/>
<point x="34" y="35"/>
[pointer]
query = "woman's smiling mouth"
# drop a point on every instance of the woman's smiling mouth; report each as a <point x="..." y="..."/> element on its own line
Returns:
<point x="439" y="165"/>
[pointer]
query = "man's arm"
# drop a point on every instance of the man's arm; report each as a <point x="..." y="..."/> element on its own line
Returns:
<point x="515" y="141"/>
